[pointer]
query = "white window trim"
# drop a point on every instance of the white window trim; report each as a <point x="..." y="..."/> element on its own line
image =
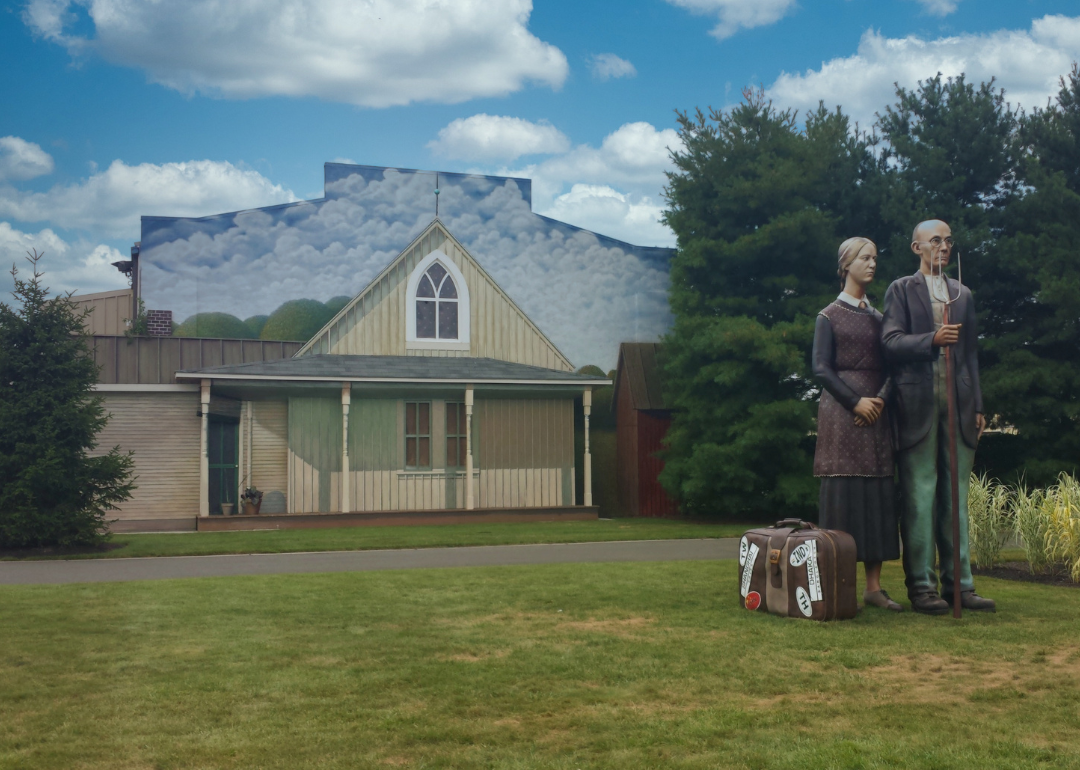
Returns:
<point x="411" y="340"/>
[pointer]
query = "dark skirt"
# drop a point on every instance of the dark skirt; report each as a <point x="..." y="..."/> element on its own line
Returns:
<point x="865" y="508"/>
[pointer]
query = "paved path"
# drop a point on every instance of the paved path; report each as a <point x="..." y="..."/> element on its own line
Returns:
<point x="166" y="567"/>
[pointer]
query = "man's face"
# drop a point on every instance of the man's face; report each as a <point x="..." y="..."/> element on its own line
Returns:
<point x="934" y="247"/>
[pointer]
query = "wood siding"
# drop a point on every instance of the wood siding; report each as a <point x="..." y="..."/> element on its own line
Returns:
<point x="626" y="453"/>
<point x="524" y="449"/>
<point x="155" y="360"/>
<point x="653" y="500"/>
<point x="163" y="431"/>
<point x="108" y="311"/>
<point x="268" y="444"/>
<point x="523" y="456"/>
<point x="374" y="322"/>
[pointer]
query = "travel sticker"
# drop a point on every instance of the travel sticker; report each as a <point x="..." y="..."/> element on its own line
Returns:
<point x="803" y="600"/>
<point x="743" y="546"/>
<point x="799" y="554"/>
<point x="753" y="600"/>
<point x="748" y="569"/>
<point x="813" y="574"/>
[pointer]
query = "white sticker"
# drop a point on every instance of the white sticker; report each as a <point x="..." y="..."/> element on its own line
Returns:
<point x="744" y="544"/>
<point x="799" y="554"/>
<point x="803" y="600"/>
<point x="813" y="574"/>
<point x="748" y="569"/>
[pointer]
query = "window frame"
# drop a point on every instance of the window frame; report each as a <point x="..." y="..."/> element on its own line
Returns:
<point x="412" y="342"/>
<point x="461" y="436"/>
<point x="417" y="436"/>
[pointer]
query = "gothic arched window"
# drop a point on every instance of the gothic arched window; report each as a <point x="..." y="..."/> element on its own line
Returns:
<point x="436" y="305"/>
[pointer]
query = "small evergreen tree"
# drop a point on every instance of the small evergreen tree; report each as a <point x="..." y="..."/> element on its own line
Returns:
<point x="52" y="491"/>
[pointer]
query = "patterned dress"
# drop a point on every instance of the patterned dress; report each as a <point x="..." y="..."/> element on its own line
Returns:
<point x="855" y="463"/>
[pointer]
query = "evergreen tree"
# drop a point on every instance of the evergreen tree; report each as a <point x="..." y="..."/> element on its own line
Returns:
<point x="52" y="492"/>
<point x="758" y="207"/>
<point x="1032" y="308"/>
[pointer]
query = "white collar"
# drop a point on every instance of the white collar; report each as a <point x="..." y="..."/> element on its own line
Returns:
<point x="936" y="285"/>
<point x="845" y="297"/>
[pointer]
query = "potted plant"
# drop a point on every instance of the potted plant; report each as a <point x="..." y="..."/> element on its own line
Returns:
<point x="227" y="509"/>
<point x="251" y="500"/>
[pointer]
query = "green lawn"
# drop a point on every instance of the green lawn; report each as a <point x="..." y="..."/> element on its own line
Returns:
<point x="562" y="666"/>
<point x="367" y="538"/>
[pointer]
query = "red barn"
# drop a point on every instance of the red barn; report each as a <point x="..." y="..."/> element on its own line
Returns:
<point x="641" y="422"/>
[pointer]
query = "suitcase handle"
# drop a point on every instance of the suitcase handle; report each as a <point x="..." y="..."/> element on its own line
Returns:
<point x="794" y="524"/>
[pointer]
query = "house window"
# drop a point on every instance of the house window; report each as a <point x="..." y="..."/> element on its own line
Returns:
<point x="417" y="435"/>
<point x="436" y="305"/>
<point x="455" y="435"/>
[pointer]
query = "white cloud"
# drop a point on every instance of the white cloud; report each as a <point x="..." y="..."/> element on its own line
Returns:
<point x="377" y="53"/>
<point x="738" y="14"/>
<point x="80" y="266"/>
<point x="110" y="202"/>
<point x="1027" y="64"/>
<point x="602" y="209"/>
<point x="606" y="66"/>
<point x="20" y="159"/>
<point x="939" y="7"/>
<point x="495" y="137"/>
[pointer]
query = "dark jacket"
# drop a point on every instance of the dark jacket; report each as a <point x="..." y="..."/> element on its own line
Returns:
<point x="907" y="333"/>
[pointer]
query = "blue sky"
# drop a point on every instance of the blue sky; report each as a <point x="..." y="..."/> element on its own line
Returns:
<point x="112" y="109"/>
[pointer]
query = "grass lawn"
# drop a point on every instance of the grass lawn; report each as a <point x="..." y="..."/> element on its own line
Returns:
<point x="367" y="538"/>
<point x="562" y="666"/>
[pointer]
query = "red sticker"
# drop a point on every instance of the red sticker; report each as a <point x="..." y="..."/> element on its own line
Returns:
<point x="753" y="600"/>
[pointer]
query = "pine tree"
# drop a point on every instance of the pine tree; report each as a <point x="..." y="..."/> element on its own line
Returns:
<point x="52" y="491"/>
<point x="758" y="207"/>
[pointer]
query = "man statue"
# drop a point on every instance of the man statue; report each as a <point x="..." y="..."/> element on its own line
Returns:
<point x="914" y="337"/>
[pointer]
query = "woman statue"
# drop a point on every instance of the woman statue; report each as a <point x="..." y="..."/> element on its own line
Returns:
<point x="854" y="456"/>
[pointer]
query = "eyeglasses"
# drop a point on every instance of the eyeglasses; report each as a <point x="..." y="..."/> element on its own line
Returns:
<point x="936" y="242"/>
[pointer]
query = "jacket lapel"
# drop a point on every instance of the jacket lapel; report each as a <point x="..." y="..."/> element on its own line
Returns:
<point x="923" y="294"/>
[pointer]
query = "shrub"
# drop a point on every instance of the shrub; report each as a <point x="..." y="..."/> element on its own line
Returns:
<point x="214" y="325"/>
<point x="1061" y="507"/>
<point x="1029" y="523"/>
<point x="989" y="519"/>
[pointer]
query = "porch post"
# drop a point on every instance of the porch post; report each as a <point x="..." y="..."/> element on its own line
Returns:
<point x="204" y="448"/>
<point x="470" y="499"/>
<point x="586" y="400"/>
<point x="346" y="398"/>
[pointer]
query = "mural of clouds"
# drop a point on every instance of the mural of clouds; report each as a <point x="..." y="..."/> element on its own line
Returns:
<point x="497" y="138"/>
<point x="735" y="15"/>
<point x="109" y="202"/>
<point x="586" y="291"/>
<point x="606" y="66"/>
<point x="1027" y="64"/>
<point x="377" y="53"/>
<point x="21" y="160"/>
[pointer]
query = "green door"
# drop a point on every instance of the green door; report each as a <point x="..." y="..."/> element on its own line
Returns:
<point x="222" y="454"/>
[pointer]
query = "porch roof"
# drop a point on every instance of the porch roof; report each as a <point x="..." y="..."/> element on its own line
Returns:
<point x="393" y="369"/>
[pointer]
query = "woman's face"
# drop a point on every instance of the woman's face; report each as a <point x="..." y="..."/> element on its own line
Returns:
<point x="864" y="266"/>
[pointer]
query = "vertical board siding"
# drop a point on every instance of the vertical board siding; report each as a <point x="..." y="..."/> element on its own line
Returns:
<point x="155" y="360"/>
<point x="163" y="431"/>
<point x="375" y="321"/>
<point x="653" y="499"/>
<point x="108" y="311"/>
<point x="314" y="455"/>
<point x="525" y="452"/>
<point x="626" y="451"/>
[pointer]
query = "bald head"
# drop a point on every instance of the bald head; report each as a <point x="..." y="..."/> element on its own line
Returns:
<point x="928" y="229"/>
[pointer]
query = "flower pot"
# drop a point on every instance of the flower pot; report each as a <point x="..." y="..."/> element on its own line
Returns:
<point x="227" y="509"/>
<point x="252" y="509"/>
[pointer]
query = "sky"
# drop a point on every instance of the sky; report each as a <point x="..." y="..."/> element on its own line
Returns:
<point x="114" y="109"/>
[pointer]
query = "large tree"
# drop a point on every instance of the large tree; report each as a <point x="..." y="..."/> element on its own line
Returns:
<point x="758" y="206"/>
<point x="53" y="492"/>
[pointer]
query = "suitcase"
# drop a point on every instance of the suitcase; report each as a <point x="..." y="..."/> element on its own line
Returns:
<point x="796" y="570"/>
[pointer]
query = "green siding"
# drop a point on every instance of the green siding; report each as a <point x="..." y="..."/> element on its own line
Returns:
<point x="373" y="435"/>
<point x="315" y="438"/>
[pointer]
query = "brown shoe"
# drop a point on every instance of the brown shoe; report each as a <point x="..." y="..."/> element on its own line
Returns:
<point x="970" y="600"/>
<point x="881" y="599"/>
<point x="930" y="603"/>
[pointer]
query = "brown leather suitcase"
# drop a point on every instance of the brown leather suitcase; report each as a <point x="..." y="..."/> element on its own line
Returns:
<point x="796" y="570"/>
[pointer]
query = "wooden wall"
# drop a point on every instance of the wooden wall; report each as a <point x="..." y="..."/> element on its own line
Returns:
<point x="155" y="360"/>
<point x="653" y="499"/>
<point x="523" y="456"/>
<point x="264" y="433"/>
<point x="375" y="323"/>
<point x="108" y="311"/>
<point x="163" y="430"/>
<point x="626" y="453"/>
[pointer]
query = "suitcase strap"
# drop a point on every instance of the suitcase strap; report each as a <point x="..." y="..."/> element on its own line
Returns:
<point x="836" y="573"/>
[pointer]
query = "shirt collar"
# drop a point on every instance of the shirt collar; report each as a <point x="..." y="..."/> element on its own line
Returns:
<point x="936" y="285"/>
<point x="845" y="297"/>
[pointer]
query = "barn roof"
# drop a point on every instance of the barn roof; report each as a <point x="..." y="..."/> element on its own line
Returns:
<point x="639" y="371"/>
<point x="431" y="369"/>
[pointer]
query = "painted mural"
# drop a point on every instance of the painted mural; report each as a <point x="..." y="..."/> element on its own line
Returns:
<point x="587" y="292"/>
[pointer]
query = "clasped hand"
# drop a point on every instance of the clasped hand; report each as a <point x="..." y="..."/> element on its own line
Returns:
<point x="867" y="411"/>
<point x="948" y="334"/>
